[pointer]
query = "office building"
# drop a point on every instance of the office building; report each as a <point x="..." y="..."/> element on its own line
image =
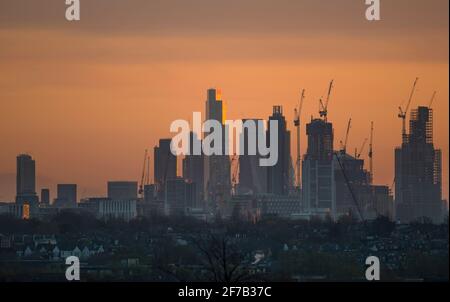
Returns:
<point x="165" y="165"/>
<point x="355" y="195"/>
<point x="279" y="176"/>
<point x="117" y="209"/>
<point x="193" y="171"/>
<point x="122" y="190"/>
<point x="217" y="178"/>
<point x="67" y="196"/>
<point x="106" y="208"/>
<point x="149" y="193"/>
<point x="27" y="200"/>
<point x="26" y="181"/>
<point x="179" y="196"/>
<point x="45" y="196"/>
<point x="252" y="176"/>
<point x="318" y="181"/>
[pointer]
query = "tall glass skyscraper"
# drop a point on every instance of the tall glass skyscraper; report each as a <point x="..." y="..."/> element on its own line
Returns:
<point x="26" y="180"/>
<point x="217" y="179"/>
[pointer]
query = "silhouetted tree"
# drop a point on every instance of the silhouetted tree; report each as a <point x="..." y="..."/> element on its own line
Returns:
<point x="222" y="258"/>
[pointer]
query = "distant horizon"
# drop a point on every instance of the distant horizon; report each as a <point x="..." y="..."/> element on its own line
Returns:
<point x="86" y="99"/>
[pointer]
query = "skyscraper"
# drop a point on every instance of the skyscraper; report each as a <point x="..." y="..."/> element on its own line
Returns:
<point x="217" y="179"/>
<point x="418" y="179"/>
<point x="278" y="176"/>
<point x="179" y="195"/>
<point x="252" y="176"/>
<point x="26" y="180"/>
<point x="318" y="182"/>
<point x="149" y="193"/>
<point x="67" y="196"/>
<point x="165" y="165"/>
<point x="193" y="171"/>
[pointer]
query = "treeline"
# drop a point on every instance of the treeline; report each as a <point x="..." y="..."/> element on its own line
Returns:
<point x="67" y="222"/>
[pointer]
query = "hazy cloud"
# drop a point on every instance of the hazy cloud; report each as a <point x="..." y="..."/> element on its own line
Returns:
<point x="213" y="17"/>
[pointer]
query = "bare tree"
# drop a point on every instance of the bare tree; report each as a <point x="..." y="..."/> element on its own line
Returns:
<point x="222" y="258"/>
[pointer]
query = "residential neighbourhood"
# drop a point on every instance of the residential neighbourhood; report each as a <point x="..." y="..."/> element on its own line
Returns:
<point x="166" y="249"/>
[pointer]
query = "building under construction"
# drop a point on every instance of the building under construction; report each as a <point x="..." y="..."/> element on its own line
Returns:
<point x="418" y="179"/>
<point x="356" y="196"/>
<point x="335" y="183"/>
<point x="318" y="186"/>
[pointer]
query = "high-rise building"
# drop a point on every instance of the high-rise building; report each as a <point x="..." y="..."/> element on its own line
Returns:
<point x="318" y="181"/>
<point x="45" y="196"/>
<point x="165" y="165"/>
<point x="26" y="181"/>
<point x="67" y="196"/>
<point x="355" y="194"/>
<point x="122" y="190"/>
<point x="252" y="176"/>
<point x="26" y="178"/>
<point x="149" y="193"/>
<point x="279" y="175"/>
<point x="349" y="175"/>
<point x="179" y="196"/>
<point x="217" y="179"/>
<point x="193" y="171"/>
<point x="418" y="168"/>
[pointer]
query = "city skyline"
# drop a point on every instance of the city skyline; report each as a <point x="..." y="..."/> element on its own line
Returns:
<point x="226" y="148"/>
<point x="180" y="158"/>
<point x="106" y="92"/>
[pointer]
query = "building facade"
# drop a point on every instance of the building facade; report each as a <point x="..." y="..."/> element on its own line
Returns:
<point x="279" y="180"/>
<point x="26" y="181"/>
<point x="252" y="176"/>
<point x="193" y="171"/>
<point x="318" y="170"/>
<point x="165" y="165"/>
<point x="67" y="196"/>
<point x="179" y="197"/>
<point x="121" y="190"/>
<point x="217" y="178"/>
<point x="418" y="171"/>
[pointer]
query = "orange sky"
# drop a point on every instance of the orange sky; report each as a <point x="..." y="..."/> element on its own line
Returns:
<point x="86" y="99"/>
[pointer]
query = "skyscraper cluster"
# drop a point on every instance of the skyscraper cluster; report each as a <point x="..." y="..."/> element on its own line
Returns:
<point x="333" y="182"/>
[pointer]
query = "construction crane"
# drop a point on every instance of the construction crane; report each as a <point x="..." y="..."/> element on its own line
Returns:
<point x="432" y="99"/>
<point x="355" y="201"/>
<point x="402" y="113"/>
<point x="344" y="145"/>
<point x="297" y="114"/>
<point x="143" y="176"/>
<point x="323" y="110"/>
<point x="371" y="153"/>
<point x="358" y="154"/>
